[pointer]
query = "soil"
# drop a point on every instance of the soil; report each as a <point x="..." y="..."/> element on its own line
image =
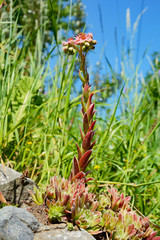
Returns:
<point x="39" y="212"/>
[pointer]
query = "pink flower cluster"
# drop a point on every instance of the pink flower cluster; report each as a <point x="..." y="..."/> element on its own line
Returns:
<point x="85" y="41"/>
<point x="81" y="38"/>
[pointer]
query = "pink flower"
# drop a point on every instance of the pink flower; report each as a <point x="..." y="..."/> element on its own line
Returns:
<point x="70" y="41"/>
<point x="83" y="37"/>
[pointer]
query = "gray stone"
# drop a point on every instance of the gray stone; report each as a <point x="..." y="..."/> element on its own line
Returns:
<point x="14" y="229"/>
<point x="17" y="224"/>
<point x="60" y="232"/>
<point x="21" y="214"/>
<point x="13" y="188"/>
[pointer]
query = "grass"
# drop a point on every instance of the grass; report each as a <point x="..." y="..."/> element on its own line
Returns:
<point x="39" y="130"/>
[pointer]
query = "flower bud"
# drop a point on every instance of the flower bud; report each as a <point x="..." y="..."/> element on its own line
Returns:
<point x="65" y="49"/>
<point x="71" y="50"/>
<point x="94" y="42"/>
<point x="84" y="48"/>
<point x="87" y="44"/>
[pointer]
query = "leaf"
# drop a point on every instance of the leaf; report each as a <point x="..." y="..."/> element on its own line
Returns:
<point x="71" y="176"/>
<point x="75" y="166"/>
<point x="89" y="100"/>
<point x="93" y="144"/>
<point x="91" y="126"/>
<point x="87" y="140"/>
<point x="85" y="123"/>
<point x="80" y="175"/>
<point x="86" y="164"/>
<point x="84" y="159"/>
<point x="90" y="111"/>
<point x="79" y="152"/>
<point x="83" y="105"/>
<point x="81" y="133"/>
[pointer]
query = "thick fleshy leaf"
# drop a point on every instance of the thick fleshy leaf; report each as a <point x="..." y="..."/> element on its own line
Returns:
<point x="81" y="133"/>
<point x="90" y="100"/>
<point x="85" y="123"/>
<point x="80" y="175"/>
<point x="73" y="211"/>
<point x="71" y="176"/>
<point x="93" y="113"/>
<point x="152" y="235"/>
<point x="65" y="199"/>
<point x="79" y="152"/>
<point x="88" y="172"/>
<point x="56" y="192"/>
<point x="92" y="144"/>
<point x="86" y="92"/>
<point x="75" y="166"/>
<point x="91" y="126"/>
<point x="90" y="111"/>
<point x="86" y="164"/>
<point x="84" y="158"/>
<point x="89" y="179"/>
<point x="82" y="111"/>
<point x="83" y="105"/>
<point x="87" y="140"/>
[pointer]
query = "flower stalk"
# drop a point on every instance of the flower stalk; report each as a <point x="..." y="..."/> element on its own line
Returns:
<point x="83" y="43"/>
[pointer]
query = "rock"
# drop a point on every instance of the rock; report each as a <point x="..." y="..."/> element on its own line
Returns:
<point x="15" y="230"/>
<point x="60" y="232"/>
<point x="14" y="188"/>
<point x="17" y="224"/>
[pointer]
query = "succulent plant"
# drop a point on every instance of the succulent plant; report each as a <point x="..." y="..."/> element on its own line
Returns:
<point x="69" y="200"/>
<point x="108" y="213"/>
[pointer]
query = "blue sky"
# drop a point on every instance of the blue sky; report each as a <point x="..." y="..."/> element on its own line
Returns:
<point x="113" y="16"/>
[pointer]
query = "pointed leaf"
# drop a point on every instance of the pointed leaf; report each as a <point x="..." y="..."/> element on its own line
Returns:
<point x="83" y="105"/>
<point x="85" y="123"/>
<point x="82" y="111"/>
<point x="92" y="144"/>
<point x="87" y="140"/>
<point x="86" y="92"/>
<point x="71" y="176"/>
<point x="90" y="111"/>
<point x="89" y="100"/>
<point x="65" y="199"/>
<point x="75" y="166"/>
<point x="80" y="175"/>
<point x="88" y="172"/>
<point x="89" y="179"/>
<point x="91" y="126"/>
<point x="79" y="152"/>
<point x="86" y="164"/>
<point x="56" y="192"/>
<point x="81" y="133"/>
<point x="84" y="158"/>
<point x="93" y="113"/>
